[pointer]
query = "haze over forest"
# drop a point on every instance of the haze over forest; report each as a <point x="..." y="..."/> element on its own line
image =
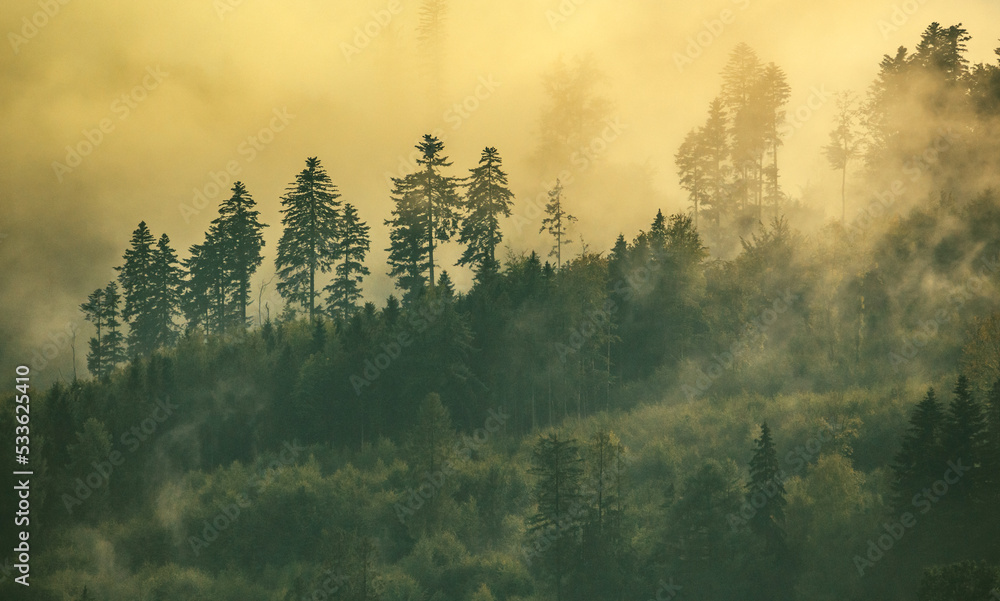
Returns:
<point x="435" y="301"/>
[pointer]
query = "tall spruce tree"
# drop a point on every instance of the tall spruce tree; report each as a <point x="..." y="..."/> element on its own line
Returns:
<point x="556" y="222"/>
<point x="426" y="212"/>
<point x="964" y="436"/>
<point x="352" y="246"/>
<point x="766" y="483"/>
<point x="690" y="161"/>
<point x="740" y="90"/>
<point x="137" y="290"/>
<point x="774" y="95"/>
<point x="557" y="467"/>
<point x="714" y="146"/>
<point x="205" y="289"/>
<point x="242" y="238"/>
<point x="993" y="439"/>
<point x="166" y="280"/>
<point x="112" y="341"/>
<point x="918" y="462"/>
<point x="487" y="198"/>
<point x="308" y="244"/>
<point x="94" y="312"/>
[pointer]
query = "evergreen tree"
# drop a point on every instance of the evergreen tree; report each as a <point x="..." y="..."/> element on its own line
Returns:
<point x="487" y="198"/>
<point x="433" y="438"/>
<point x="690" y="161"/>
<point x="714" y="148"/>
<point x="740" y="93"/>
<point x="113" y="353"/>
<point x="844" y="144"/>
<point x="138" y="292"/>
<point x="603" y="569"/>
<point x="352" y="244"/>
<point x="426" y="212"/>
<point x="556" y="222"/>
<point x="992" y="462"/>
<point x="205" y="289"/>
<point x="918" y="462"/>
<point x="166" y="281"/>
<point x="767" y="483"/>
<point x="432" y="37"/>
<point x="774" y="96"/>
<point x="94" y="311"/>
<point x="556" y="465"/>
<point x="101" y="309"/>
<point x="964" y="435"/>
<point x="242" y="239"/>
<point x="312" y="239"/>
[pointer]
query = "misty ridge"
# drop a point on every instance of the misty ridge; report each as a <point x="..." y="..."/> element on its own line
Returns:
<point x="742" y="399"/>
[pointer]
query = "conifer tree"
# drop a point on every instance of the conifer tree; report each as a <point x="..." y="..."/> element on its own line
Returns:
<point x="352" y="247"/>
<point x="690" y="161"/>
<point x="740" y="91"/>
<point x="487" y="199"/>
<point x="844" y="144"/>
<point x="556" y="465"/>
<point x="308" y="244"/>
<point x="113" y="347"/>
<point x="964" y="435"/>
<point x="433" y="438"/>
<point x="426" y="212"/>
<point x="241" y="234"/>
<point x="556" y="222"/>
<point x="94" y="312"/>
<point x="919" y="459"/>
<point x="774" y="95"/>
<point x="166" y="289"/>
<point x="767" y="483"/>
<point x="205" y="289"/>
<point x="714" y="147"/>
<point x="137" y="290"/>
<point x="992" y="463"/>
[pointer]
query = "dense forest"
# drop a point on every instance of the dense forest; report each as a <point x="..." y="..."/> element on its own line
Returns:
<point x="726" y="404"/>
